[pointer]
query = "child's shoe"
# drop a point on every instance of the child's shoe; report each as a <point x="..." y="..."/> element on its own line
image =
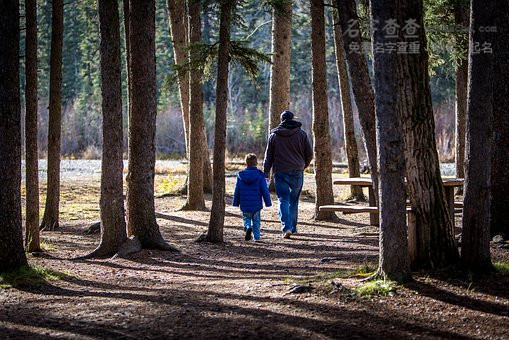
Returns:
<point x="248" y="234"/>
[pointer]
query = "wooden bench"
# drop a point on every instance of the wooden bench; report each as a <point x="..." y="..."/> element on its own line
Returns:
<point x="349" y="209"/>
<point x="353" y="209"/>
<point x="366" y="183"/>
<point x="449" y="185"/>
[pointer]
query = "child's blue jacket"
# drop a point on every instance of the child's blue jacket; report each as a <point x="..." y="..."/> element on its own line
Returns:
<point x="251" y="186"/>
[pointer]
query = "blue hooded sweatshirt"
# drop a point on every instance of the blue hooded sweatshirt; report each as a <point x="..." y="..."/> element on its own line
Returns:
<point x="249" y="190"/>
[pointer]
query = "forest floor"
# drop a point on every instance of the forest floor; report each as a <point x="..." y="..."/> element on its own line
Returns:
<point x="240" y="289"/>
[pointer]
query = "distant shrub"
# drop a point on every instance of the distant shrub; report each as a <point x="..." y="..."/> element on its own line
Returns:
<point x="91" y="152"/>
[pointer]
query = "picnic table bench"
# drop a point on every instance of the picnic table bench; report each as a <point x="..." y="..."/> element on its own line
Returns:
<point x="449" y="185"/>
<point x="372" y="209"/>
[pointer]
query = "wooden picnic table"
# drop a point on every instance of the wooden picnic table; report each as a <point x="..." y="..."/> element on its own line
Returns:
<point x="372" y="209"/>
<point x="449" y="185"/>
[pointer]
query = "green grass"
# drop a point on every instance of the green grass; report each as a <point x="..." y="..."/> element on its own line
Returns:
<point x="47" y="246"/>
<point x="364" y="270"/>
<point x="29" y="277"/>
<point x="376" y="287"/>
<point x="502" y="267"/>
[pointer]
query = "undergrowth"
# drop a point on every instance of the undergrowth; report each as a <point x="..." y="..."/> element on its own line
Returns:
<point x="29" y="277"/>
<point x="362" y="271"/>
<point x="376" y="287"/>
<point x="502" y="267"/>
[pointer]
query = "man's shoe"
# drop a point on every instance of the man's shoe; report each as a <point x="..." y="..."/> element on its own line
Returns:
<point x="287" y="234"/>
<point x="248" y="234"/>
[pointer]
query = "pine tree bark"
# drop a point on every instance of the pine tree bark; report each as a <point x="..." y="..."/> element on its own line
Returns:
<point x="178" y="28"/>
<point x="500" y="161"/>
<point x="352" y="153"/>
<point x="12" y="255"/>
<point x="125" y="4"/>
<point x="280" y="68"/>
<point x="436" y="247"/>
<point x="179" y="24"/>
<point x="207" y="167"/>
<point x="113" y="226"/>
<point x="52" y="207"/>
<point x="461" y="19"/>
<point x="216" y="222"/>
<point x="141" y="218"/>
<point x="321" y="132"/>
<point x="475" y="247"/>
<point x="394" y="261"/>
<point x="32" y="241"/>
<point x="361" y="83"/>
<point x="195" y="199"/>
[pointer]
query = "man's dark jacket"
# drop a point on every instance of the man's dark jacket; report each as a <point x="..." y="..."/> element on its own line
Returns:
<point x="288" y="149"/>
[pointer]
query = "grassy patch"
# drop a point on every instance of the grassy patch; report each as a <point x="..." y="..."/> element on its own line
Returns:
<point x="29" y="277"/>
<point x="47" y="246"/>
<point x="376" y="287"/>
<point x="169" y="185"/>
<point x="364" y="270"/>
<point x="502" y="267"/>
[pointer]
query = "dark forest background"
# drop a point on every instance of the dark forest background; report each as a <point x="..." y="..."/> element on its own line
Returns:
<point x="248" y="98"/>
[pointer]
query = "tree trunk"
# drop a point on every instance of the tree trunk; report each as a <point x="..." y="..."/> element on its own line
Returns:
<point x="461" y="18"/>
<point x="280" y="68"/>
<point x="52" y="208"/>
<point x="127" y="60"/>
<point x="475" y="247"/>
<point x="216" y="223"/>
<point x="113" y="226"/>
<point x="31" y="159"/>
<point x="179" y="24"/>
<point x="352" y="153"/>
<point x="207" y="167"/>
<point x="141" y="218"/>
<point x="195" y="199"/>
<point x="361" y="84"/>
<point x="178" y="27"/>
<point x="500" y="160"/>
<point x="480" y="117"/>
<point x="321" y="132"/>
<point x="394" y="262"/>
<point x="12" y="255"/>
<point x="436" y="247"/>
<point x="279" y="97"/>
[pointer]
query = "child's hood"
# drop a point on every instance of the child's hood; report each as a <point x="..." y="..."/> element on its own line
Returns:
<point x="250" y="175"/>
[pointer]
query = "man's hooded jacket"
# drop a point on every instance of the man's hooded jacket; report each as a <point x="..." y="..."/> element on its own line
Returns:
<point x="288" y="149"/>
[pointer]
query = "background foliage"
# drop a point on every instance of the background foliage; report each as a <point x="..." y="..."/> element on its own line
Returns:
<point x="248" y="99"/>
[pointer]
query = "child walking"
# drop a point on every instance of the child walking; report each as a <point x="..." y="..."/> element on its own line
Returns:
<point x="251" y="186"/>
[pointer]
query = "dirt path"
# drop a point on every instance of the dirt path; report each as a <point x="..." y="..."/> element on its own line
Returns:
<point x="240" y="289"/>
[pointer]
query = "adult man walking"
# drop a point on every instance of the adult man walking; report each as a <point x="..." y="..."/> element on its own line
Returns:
<point x="288" y="153"/>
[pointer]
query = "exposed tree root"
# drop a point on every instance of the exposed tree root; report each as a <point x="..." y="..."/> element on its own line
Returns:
<point x="380" y="275"/>
<point x="101" y="252"/>
<point x="130" y="246"/>
<point x="356" y="199"/>
<point x="328" y="217"/>
<point x="182" y="191"/>
<point x="93" y="229"/>
<point x="49" y="226"/>
<point x="202" y="238"/>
